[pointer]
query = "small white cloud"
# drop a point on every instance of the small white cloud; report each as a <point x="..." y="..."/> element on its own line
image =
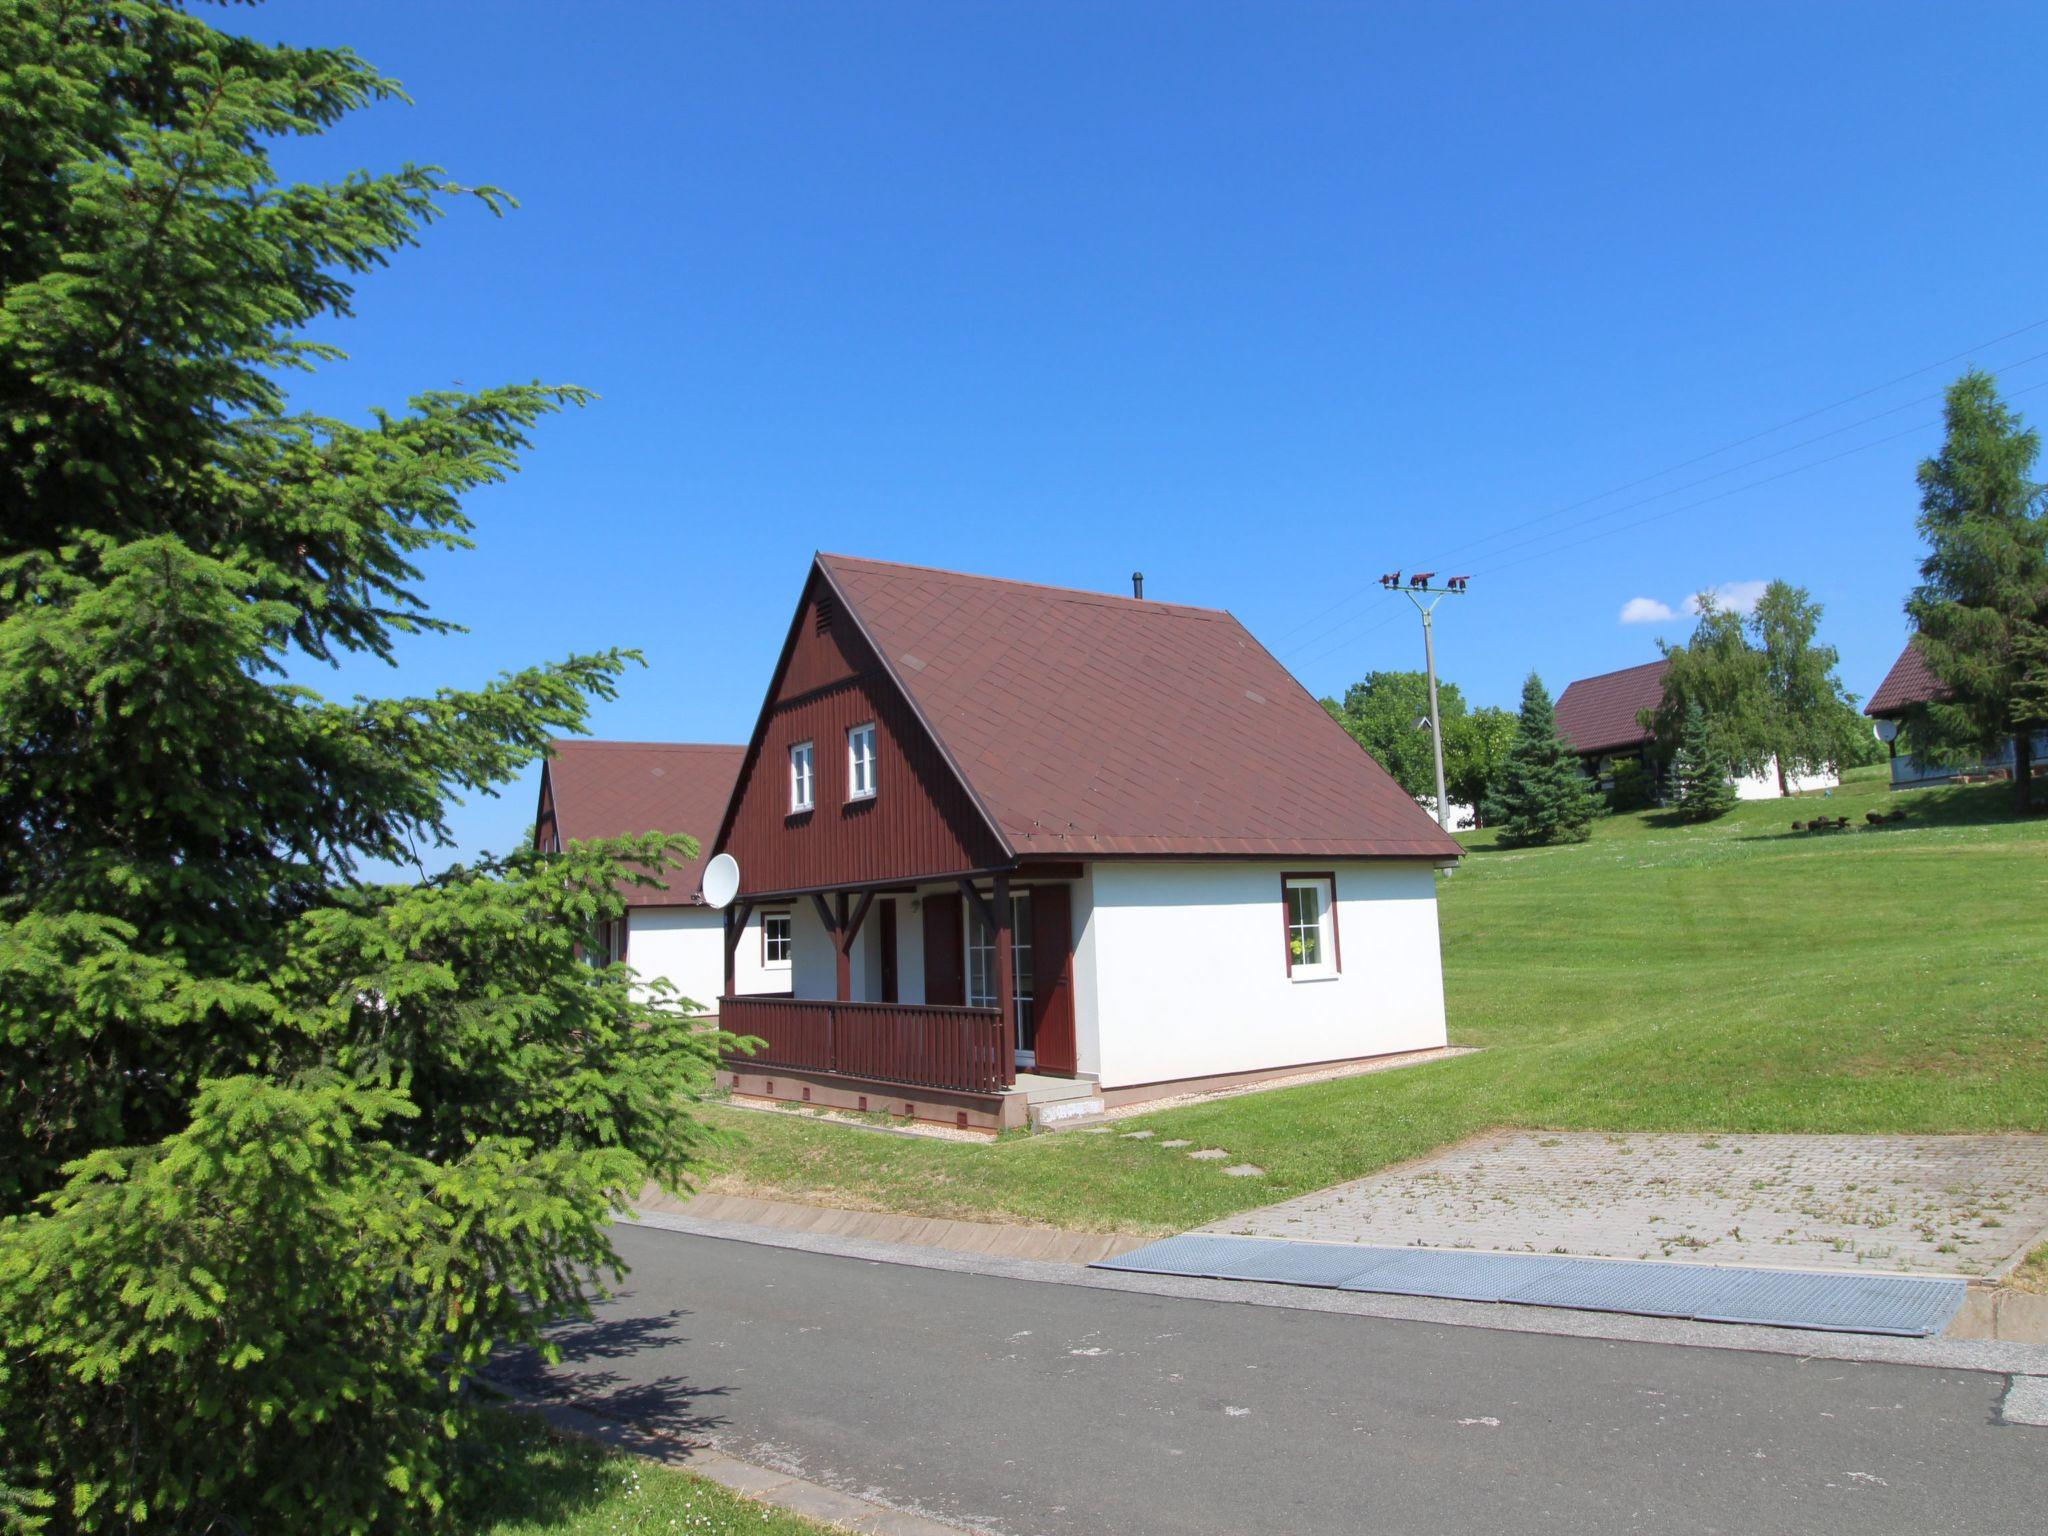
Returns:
<point x="1645" y="610"/>
<point x="1736" y="596"/>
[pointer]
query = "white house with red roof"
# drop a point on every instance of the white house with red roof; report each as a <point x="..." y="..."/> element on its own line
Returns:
<point x="598" y="789"/>
<point x="1601" y="718"/>
<point x="1063" y="846"/>
<point x="1911" y="686"/>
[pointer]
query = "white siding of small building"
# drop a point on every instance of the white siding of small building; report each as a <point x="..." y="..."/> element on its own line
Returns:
<point x="686" y="945"/>
<point x="1180" y="969"/>
<point x="1764" y="786"/>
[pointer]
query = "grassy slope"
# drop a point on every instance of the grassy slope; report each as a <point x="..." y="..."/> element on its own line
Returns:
<point x="1734" y="976"/>
<point x="542" y="1483"/>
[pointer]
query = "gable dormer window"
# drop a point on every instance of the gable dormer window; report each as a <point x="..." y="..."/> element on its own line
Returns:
<point x="800" y="778"/>
<point x="860" y="762"/>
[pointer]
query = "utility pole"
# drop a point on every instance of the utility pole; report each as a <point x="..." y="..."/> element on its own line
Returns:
<point x="1417" y="589"/>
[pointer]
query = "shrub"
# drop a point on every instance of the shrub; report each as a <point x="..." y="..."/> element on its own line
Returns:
<point x="1635" y="788"/>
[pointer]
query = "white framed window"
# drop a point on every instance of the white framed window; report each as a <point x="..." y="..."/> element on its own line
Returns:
<point x="981" y="964"/>
<point x="860" y="762"/>
<point x="801" y="777"/>
<point x="775" y="940"/>
<point x="1310" y="909"/>
<point x="607" y="944"/>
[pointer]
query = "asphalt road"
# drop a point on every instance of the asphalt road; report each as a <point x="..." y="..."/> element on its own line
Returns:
<point x="1039" y="1409"/>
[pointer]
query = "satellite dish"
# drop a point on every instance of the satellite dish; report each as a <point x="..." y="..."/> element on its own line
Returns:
<point x="1885" y="730"/>
<point x="721" y="880"/>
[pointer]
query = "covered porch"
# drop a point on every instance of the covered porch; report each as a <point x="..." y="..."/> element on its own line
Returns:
<point x="947" y="999"/>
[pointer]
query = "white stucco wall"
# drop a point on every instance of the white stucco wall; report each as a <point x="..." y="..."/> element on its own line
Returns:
<point x="686" y="945"/>
<point x="1181" y="969"/>
<point x="1764" y="786"/>
<point x="815" y="973"/>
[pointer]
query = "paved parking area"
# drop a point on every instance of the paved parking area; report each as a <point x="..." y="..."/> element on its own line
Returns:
<point x="1956" y="1205"/>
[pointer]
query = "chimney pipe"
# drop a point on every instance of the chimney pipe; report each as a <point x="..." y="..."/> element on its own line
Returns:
<point x="1137" y="583"/>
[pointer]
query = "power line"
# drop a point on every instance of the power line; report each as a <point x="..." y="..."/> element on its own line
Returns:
<point x="1735" y="490"/>
<point x="1794" y="421"/>
<point x="1679" y="490"/>
<point x="1743" y="442"/>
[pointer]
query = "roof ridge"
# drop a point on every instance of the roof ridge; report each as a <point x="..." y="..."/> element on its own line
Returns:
<point x="579" y="743"/>
<point x="1661" y="661"/>
<point x="1148" y="603"/>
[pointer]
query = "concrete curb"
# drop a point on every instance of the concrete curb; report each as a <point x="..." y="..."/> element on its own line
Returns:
<point x="2015" y="1316"/>
<point x="1055" y="1244"/>
<point x="1993" y="1356"/>
<point x="813" y="1501"/>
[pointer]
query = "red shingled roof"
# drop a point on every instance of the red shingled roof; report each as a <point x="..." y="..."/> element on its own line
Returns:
<point x="1911" y="681"/>
<point x="1598" y="714"/>
<point x="624" y="788"/>
<point x="1089" y="725"/>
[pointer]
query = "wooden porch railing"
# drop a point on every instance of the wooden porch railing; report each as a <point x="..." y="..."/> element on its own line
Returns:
<point x="918" y="1044"/>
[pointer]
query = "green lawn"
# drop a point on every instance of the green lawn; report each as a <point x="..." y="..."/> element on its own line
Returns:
<point x="541" y="1484"/>
<point x="1730" y="977"/>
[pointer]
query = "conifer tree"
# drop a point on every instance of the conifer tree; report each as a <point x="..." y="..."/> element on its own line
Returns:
<point x="1699" y="777"/>
<point x="1981" y="608"/>
<point x="284" y="1155"/>
<point x="1543" y="797"/>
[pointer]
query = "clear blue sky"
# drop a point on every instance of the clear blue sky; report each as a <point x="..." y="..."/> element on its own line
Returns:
<point x="1263" y="299"/>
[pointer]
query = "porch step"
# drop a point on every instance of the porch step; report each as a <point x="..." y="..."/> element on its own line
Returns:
<point x="1066" y="1114"/>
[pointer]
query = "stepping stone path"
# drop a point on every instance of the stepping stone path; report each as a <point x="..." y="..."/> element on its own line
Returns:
<point x="1182" y="1142"/>
<point x="1137" y="1135"/>
<point x="1209" y="1155"/>
<point x="1245" y="1171"/>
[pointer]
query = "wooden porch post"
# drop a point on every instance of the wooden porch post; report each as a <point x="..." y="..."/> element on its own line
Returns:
<point x="1006" y="980"/>
<point x="843" y="952"/>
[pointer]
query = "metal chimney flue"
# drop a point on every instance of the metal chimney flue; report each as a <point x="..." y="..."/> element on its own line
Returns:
<point x="1137" y="583"/>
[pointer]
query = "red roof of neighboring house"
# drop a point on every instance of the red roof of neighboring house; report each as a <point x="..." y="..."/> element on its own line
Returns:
<point x="1911" y="681"/>
<point x="1598" y="714"/>
<point x="1086" y="724"/>
<point x="625" y="788"/>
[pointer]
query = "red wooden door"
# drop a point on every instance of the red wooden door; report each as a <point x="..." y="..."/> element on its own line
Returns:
<point x="945" y="951"/>
<point x="1052" y="984"/>
<point x="885" y="914"/>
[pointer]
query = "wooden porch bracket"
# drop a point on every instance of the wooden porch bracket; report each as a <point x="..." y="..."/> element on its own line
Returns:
<point x="735" y="925"/>
<point x="976" y="901"/>
<point x="844" y="927"/>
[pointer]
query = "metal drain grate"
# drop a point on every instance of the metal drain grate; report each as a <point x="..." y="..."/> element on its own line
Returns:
<point x="1250" y="1258"/>
<point x="1846" y="1303"/>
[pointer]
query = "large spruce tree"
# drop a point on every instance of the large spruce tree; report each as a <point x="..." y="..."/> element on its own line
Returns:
<point x="1542" y="796"/>
<point x="283" y="1155"/>
<point x="1982" y="604"/>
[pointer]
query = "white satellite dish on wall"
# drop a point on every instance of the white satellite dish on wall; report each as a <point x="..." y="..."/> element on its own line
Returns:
<point x="1886" y="731"/>
<point x="721" y="880"/>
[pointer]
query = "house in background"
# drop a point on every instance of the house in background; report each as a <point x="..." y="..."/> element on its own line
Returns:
<point x="1910" y="684"/>
<point x="1601" y="719"/>
<point x="593" y="789"/>
<point x="1057" y="848"/>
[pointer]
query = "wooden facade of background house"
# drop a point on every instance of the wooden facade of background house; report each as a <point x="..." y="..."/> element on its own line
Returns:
<point x="943" y="773"/>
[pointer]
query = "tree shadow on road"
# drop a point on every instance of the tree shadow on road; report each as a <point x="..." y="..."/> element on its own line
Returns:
<point x="668" y="1404"/>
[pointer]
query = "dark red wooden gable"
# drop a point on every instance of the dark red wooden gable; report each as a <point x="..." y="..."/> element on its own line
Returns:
<point x="921" y="821"/>
<point x="544" y="831"/>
